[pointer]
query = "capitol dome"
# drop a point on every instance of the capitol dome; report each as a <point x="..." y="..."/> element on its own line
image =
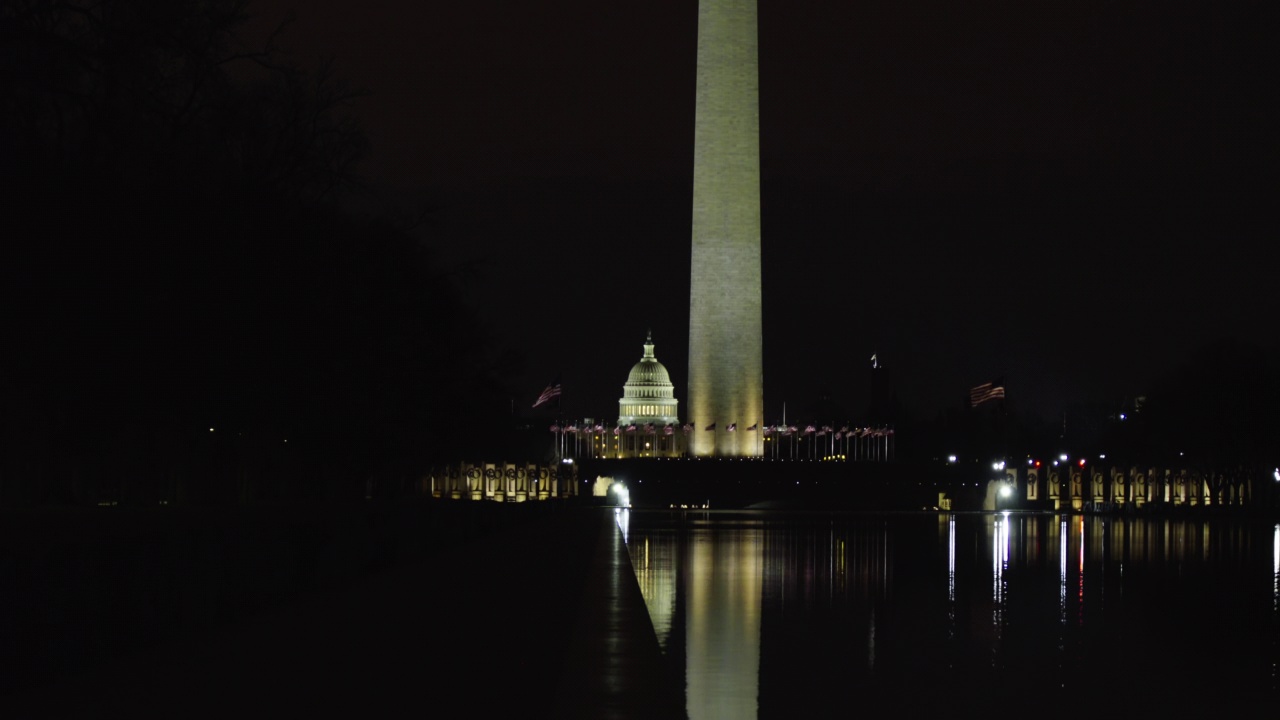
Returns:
<point x="648" y="397"/>
<point x="649" y="371"/>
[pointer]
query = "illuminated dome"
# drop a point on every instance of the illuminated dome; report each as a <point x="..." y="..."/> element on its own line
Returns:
<point x="648" y="396"/>
<point x="649" y="371"/>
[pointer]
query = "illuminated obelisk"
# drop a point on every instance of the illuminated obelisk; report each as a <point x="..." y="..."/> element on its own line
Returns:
<point x="726" y="374"/>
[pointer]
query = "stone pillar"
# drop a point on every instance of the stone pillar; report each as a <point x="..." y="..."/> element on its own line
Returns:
<point x="1119" y="488"/>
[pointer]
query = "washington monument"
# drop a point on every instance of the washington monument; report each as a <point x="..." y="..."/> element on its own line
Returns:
<point x="726" y="374"/>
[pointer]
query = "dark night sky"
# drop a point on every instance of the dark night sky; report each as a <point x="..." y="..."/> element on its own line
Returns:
<point x="1068" y="195"/>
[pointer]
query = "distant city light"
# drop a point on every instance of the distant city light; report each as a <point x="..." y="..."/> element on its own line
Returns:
<point x="1006" y="491"/>
<point x="1063" y="457"/>
<point x="951" y="459"/>
<point x="1081" y="462"/>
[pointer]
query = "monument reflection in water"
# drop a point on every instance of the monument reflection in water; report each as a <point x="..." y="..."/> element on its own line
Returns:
<point x="787" y="615"/>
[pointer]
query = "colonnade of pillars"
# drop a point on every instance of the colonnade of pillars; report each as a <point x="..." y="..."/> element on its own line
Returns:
<point x="1077" y="488"/>
<point x="504" y="482"/>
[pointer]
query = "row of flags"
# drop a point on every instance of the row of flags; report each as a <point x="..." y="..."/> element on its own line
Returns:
<point x="978" y="395"/>
<point x="669" y="429"/>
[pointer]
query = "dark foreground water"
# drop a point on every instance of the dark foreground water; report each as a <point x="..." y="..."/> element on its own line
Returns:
<point x="841" y="615"/>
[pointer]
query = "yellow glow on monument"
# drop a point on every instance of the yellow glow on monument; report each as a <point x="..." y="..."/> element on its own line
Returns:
<point x="726" y="378"/>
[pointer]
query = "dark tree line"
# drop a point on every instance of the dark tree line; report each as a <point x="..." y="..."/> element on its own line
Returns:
<point x="180" y="255"/>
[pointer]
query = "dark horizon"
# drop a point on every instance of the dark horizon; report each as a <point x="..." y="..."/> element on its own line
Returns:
<point x="414" y="240"/>
<point x="1066" y="197"/>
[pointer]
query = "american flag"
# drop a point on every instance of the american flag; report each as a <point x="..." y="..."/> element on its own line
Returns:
<point x="555" y="428"/>
<point x="688" y="427"/>
<point x="986" y="391"/>
<point x="712" y="426"/>
<point x="809" y="428"/>
<point x="754" y="427"/>
<point x="731" y="427"/>
<point x="631" y="427"/>
<point x="649" y="428"/>
<point x="552" y="392"/>
<point x="768" y="430"/>
<point x="669" y="429"/>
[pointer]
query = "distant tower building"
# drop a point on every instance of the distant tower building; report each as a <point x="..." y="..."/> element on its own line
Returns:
<point x="726" y="367"/>
<point x="648" y="421"/>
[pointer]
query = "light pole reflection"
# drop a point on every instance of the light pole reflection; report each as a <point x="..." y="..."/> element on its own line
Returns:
<point x="1080" y="590"/>
<point x="951" y="577"/>
<point x="999" y="563"/>
<point x="1063" y="541"/>
<point x="1275" y="599"/>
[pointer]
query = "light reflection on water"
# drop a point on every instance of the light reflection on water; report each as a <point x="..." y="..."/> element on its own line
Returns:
<point x="797" y="615"/>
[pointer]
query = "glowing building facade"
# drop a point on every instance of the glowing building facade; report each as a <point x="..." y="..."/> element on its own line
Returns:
<point x="648" y="413"/>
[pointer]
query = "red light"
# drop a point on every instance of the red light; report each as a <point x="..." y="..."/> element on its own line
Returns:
<point x="1081" y="462"/>
<point x="1037" y="463"/>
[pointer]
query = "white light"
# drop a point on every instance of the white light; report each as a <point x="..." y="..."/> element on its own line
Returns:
<point x="210" y="429"/>
<point x="1063" y="457"/>
<point x="951" y="458"/>
<point x="1006" y="491"/>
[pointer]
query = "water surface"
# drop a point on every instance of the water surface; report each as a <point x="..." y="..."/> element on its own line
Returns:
<point x="820" y="615"/>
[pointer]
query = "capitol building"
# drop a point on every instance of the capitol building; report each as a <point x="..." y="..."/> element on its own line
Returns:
<point x="648" y="415"/>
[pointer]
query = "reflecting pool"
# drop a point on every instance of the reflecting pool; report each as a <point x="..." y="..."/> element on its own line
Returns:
<point x="831" y="615"/>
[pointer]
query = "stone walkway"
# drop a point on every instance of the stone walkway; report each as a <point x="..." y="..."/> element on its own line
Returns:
<point x="543" y="620"/>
